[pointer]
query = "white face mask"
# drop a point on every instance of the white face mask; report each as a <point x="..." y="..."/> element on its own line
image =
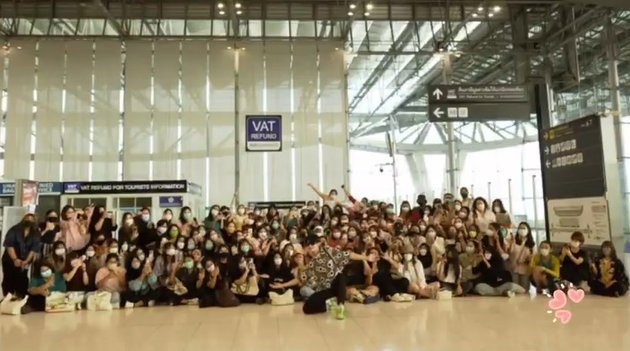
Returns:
<point x="293" y="237"/>
<point x="522" y="232"/>
<point x="180" y="245"/>
<point x="171" y="252"/>
<point x="336" y="235"/>
<point x="90" y="254"/>
<point x="214" y="213"/>
<point x="60" y="252"/>
<point x="277" y="261"/>
<point x="423" y="252"/>
<point x="168" y="216"/>
<point x="113" y="250"/>
<point x="141" y="257"/>
<point x="431" y="234"/>
<point x="125" y="247"/>
<point x="161" y="230"/>
<point x="544" y="252"/>
<point x="458" y="207"/>
<point x="489" y="232"/>
<point x="129" y="221"/>
<point x="210" y="268"/>
<point x="135" y="265"/>
<point x="146" y="218"/>
<point x="458" y="225"/>
<point x="497" y="209"/>
<point x="408" y="257"/>
<point x="470" y="249"/>
<point x="112" y="266"/>
<point x="488" y="256"/>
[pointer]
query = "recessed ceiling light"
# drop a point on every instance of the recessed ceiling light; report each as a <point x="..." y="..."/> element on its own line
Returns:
<point x="19" y="48"/>
<point x="229" y="48"/>
<point x="237" y="5"/>
<point x="491" y="14"/>
<point x="497" y="9"/>
<point x="369" y="6"/>
<point x="480" y="8"/>
<point x="475" y="15"/>
<point x="221" y="12"/>
<point x="366" y="14"/>
<point x="220" y="5"/>
<point x="350" y="13"/>
<point x="239" y="12"/>
<point x="353" y="6"/>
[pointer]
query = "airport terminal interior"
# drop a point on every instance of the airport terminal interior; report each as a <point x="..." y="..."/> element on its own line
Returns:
<point x="429" y="175"/>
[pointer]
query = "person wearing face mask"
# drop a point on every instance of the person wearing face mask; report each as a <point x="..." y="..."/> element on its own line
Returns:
<point x="494" y="279"/>
<point x="335" y="238"/>
<point x="413" y="271"/>
<point x="73" y="231"/>
<point x="142" y="282"/>
<point x="501" y="214"/>
<point x="50" y="232"/>
<point x="173" y="233"/>
<point x="545" y="269"/>
<point x="111" y="279"/>
<point x="468" y="259"/>
<point x="574" y="264"/>
<point x="187" y="221"/>
<point x="58" y="256"/>
<point x="44" y="281"/>
<point x="208" y="281"/>
<point x="75" y="273"/>
<point x="405" y="212"/>
<point x="473" y="232"/>
<point x="482" y="215"/>
<point x="147" y="234"/>
<point x="329" y="199"/>
<point x="187" y="274"/>
<point x="278" y="274"/>
<point x="496" y="238"/>
<point x="449" y="272"/>
<point x="165" y="267"/>
<point x="609" y="274"/>
<point x="521" y="255"/>
<point x="92" y="265"/>
<point x="240" y="218"/>
<point x="248" y="284"/>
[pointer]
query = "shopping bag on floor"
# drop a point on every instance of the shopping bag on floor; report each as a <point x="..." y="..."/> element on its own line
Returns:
<point x="282" y="299"/>
<point x="11" y="305"/>
<point x="100" y="301"/>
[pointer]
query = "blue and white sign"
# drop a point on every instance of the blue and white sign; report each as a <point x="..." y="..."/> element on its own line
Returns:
<point x="263" y="133"/>
<point x="171" y="201"/>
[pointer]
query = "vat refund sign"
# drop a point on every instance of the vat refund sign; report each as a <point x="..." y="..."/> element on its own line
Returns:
<point x="263" y="133"/>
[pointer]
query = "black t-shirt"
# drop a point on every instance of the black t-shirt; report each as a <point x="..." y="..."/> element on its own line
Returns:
<point x="76" y="283"/>
<point x="280" y="275"/>
<point x="573" y="272"/>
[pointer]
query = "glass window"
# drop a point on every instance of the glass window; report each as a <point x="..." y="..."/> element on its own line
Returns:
<point x="277" y="29"/>
<point x="199" y="27"/>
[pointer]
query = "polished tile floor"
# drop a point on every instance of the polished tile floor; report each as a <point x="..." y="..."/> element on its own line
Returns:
<point x="471" y="323"/>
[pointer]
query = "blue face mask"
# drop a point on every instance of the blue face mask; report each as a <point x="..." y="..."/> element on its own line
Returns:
<point x="46" y="274"/>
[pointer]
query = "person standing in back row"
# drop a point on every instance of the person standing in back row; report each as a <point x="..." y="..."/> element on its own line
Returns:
<point x="324" y="275"/>
<point x="21" y="244"/>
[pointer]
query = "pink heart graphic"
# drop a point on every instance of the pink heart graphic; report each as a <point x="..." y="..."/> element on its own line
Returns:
<point x="564" y="316"/>
<point x="559" y="300"/>
<point x="576" y="295"/>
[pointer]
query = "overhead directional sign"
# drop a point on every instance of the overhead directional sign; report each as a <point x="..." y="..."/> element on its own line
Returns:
<point x="573" y="160"/>
<point x="460" y="103"/>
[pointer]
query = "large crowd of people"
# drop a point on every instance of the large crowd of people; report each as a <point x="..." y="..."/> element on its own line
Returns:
<point x="324" y="253"/>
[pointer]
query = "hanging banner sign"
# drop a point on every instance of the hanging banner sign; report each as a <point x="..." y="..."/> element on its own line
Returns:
<point x="263" y="133"/>
<point x="44" y="188"/>
<point x="159" y="186"/>
<point x="171" y="201"/>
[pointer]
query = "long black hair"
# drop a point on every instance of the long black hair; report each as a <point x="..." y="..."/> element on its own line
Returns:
<point x="529" y="239"/>
<point x="452" y="258"/>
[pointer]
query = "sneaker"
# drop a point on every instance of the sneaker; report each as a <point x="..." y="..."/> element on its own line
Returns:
<point x="340" y="312"/>
<point x="128" y="305"/>
<point x="398" y="298"/>
<point x="151" y="303"/>
<point x="193" y="302"/>
<point x="510" y="294"/>
<point x="407" y="297"/>
<point x="331" y="304"/>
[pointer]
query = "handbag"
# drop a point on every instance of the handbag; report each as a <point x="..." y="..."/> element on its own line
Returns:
<point x="59" y="302"/>
<point x="249" y="288"/>
<point x="225" y="297"/>
<point x="178" y="288"/>
<point x="12" y="306"/>
<point x="282" y="299"/>
<point x="100" y="301"/>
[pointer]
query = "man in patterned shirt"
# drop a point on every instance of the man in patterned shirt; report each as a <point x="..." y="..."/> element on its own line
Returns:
<point x="324" y="275"/>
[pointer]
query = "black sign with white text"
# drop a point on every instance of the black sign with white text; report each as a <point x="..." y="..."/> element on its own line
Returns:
<point x="573" y="160"/>
<point x="131" y="187"/>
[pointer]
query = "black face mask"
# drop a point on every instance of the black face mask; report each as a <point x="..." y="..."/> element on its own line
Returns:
<point x="52" y="219"/>
<point x="464" y="194"/>
<point x="100" y="242"/>
<point x="27" y="223"/>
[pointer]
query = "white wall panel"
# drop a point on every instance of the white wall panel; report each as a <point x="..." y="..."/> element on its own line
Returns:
<point x="76" y="142"/>
<point x="278" y="86"/>
<point x="165" y="114"/>
<point x="194" y="111"/>
<point x="49" y="110"/>
<point x="137" y="119"/>
<point x="221" y="125"/>
<point x="107" y="70"/>
<point x="250" y="84"/>
<point x="332" y="107"/>
<point x="19" y="109"/>
<point x="305" y="116"/>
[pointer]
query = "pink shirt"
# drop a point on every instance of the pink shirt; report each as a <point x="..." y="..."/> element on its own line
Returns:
<point x="109" y="283"/>
<point x="72" y="236"/>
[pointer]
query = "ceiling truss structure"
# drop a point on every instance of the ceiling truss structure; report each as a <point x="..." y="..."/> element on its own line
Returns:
<point x="394" y="50"/>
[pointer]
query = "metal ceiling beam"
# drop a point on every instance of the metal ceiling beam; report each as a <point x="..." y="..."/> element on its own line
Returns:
<point x="116" y="24"/>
